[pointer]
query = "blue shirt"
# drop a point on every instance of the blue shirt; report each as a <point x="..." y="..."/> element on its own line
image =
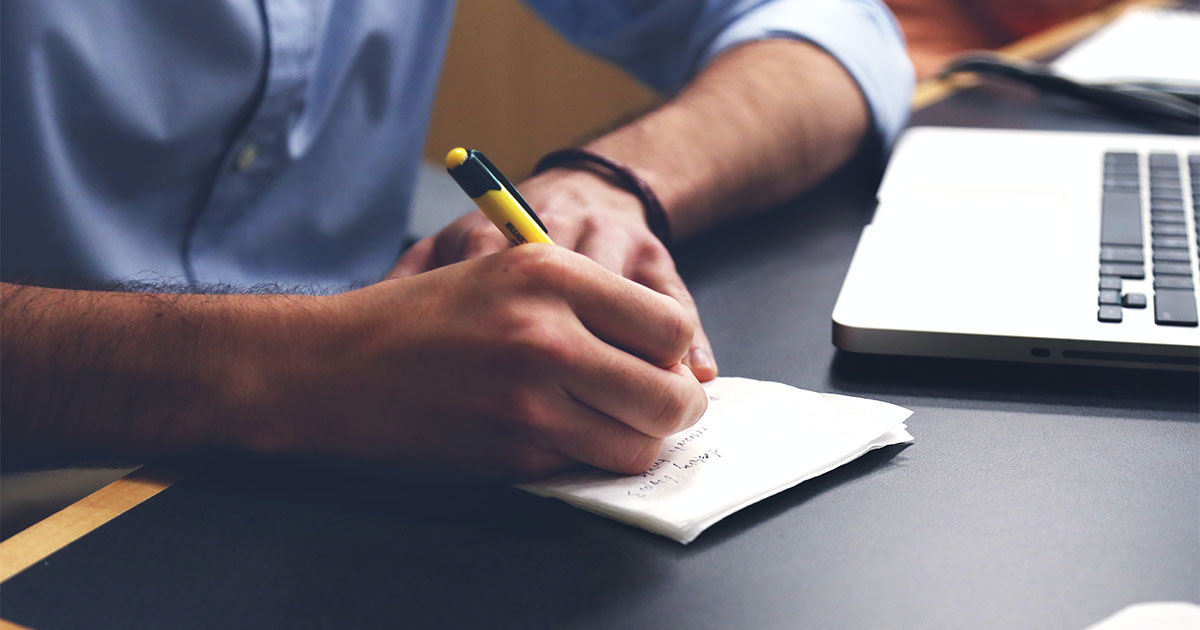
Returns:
<point x="244" y="141"/>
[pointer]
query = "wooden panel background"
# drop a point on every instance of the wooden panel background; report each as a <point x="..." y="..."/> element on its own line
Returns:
<point x="514" y="89"/>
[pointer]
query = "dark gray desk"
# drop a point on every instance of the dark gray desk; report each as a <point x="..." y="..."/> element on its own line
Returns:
<point x="1034" y="497"/>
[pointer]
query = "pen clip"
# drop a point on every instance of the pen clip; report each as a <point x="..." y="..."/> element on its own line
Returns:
<point x="512" y="190"/>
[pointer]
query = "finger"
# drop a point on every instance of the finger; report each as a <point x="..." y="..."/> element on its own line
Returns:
<point x="619" y="311"/>
<point x="417" y="259"/>
<point x="469" y="237"/>
<point x="609" y="252"/>
<point x="660" y="275"/>
<point x="652" y="400"/>
<point x="591" y="437"/>
<point x="482" y="241"/>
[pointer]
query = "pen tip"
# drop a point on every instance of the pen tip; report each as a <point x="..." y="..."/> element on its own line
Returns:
<point x="455" y="157"/>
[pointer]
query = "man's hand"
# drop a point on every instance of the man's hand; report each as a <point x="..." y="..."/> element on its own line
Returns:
<point x="762" y="123"/>
<point x="516" y="364"/>
<point x="586" y="214"/>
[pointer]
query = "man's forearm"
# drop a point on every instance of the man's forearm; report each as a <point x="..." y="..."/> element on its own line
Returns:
<point x="516" y="364"/>
<point x="762" y="123"/>
<point x="89" y="373"/>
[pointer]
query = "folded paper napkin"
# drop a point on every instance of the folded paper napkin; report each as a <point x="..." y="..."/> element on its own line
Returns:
<point x="756" y="439"/>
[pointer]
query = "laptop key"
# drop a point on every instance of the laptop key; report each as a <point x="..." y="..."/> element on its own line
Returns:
<point x="1124" y="270"/>
<point x="1173" y="205"/>
<point x="1172" y="282"/>
<point x="1169" y="242"/>
<point x="1110" y="283"/>
<point x="1166" y="228"/>
<point x="1175" y="308"/>
<point x="1168" y="216"/>
<point x="1172" y="268"/>
<point x="1109" y="313"/>
<point x="1110" y="297"/>
<point x="1161" y="160"/>
<point x="1121" y="219"/>
<point x="1133" y="300"/>
<point x="1121" y="254"/>
<point x="1121" y="187"/>
<point x="1171" y="255"/>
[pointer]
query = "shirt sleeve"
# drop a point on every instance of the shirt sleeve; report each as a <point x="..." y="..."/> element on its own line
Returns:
<point x="665" y="42"/>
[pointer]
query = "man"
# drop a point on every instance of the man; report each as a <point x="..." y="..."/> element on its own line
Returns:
<point x="231" y="144"/>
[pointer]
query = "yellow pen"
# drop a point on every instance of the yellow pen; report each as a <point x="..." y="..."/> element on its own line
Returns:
<point x="496" y="196"/>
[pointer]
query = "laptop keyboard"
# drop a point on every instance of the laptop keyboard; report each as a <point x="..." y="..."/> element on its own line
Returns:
<point x="1152" y="188"/>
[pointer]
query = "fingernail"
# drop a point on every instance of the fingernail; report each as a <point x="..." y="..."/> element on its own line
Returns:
<point x="701" y="359"/>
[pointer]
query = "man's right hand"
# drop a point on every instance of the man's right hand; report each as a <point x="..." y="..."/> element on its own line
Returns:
<point x="516" y="364"/>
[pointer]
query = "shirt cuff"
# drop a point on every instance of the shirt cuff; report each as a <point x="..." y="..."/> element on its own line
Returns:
<point x="862" y="35"/>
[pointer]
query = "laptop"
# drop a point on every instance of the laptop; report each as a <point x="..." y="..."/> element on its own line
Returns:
<point x="1034" y="246"/>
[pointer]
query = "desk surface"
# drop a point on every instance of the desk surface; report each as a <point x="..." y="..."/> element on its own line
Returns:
<point x="1034" y="497"/>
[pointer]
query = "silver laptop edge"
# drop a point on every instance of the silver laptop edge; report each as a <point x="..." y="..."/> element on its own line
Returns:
<point x="986" y="245"/>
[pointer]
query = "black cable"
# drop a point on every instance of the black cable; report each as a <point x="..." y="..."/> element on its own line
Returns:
<point x="1141" y="102"/>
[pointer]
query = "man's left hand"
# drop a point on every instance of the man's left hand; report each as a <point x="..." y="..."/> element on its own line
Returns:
<point x="585" y="213"/>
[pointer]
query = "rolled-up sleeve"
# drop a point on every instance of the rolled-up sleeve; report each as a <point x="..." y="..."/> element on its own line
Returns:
<point x="665" y="42"/>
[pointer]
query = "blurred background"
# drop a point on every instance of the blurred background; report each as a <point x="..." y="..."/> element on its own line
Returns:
<point x="546" y="95"/>
<point x="542" y="94"/>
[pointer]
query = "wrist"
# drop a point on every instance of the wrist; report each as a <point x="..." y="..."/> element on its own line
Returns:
<point x="617" y="175"/>
<point x="569" y="188"/>
<point x="271" y="371"/>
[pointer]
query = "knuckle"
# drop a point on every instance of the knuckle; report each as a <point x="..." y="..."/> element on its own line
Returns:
<point x="513" y="320"/>
<point x="443" y="245"/>
<point x="538" y="264"/>
<point x="556" y="223"/>
<point x="641" y="456"/>
<point x="477" y="241"/>
<point x="592" y="223"/>
<point x="480" y="233"/>
<point x="534" y="343"/>
<point x="680" y="327"/>
<point x="680" y="410"/>
<point x="700" y="408"/>
<point x="674" y="412"/>
<point x="653" y="252"/>
<point x="698" y="405"/>
<point x="523" y="410"/>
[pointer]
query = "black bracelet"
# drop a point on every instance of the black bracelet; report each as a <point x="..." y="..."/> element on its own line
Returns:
<point x="656" y="218"/>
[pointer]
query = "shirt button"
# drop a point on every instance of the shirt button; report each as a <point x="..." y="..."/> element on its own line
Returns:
<point x="247" y="156"/>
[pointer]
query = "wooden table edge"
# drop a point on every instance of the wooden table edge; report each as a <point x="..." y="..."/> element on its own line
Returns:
<point x="40" y="540"/>
<point x="1036" y="46"/>
<point x="60" y="529"/>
